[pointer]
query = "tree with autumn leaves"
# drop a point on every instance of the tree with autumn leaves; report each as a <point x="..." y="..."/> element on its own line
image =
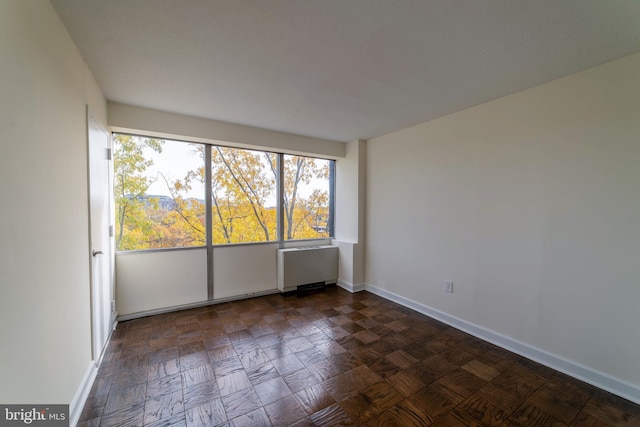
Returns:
<point x="242" y="195"/>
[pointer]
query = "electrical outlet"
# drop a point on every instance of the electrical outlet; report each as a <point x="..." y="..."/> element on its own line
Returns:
<point x="113" y="306"/>
<point x="448" y="286"/>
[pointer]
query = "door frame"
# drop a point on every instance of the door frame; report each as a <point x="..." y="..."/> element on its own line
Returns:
<point x="97" y="349"/>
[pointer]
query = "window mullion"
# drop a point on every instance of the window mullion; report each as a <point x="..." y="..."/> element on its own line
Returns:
<point x="332" y="198"/>
<point x="208" y="215"/>
<point x="280" y="199"/>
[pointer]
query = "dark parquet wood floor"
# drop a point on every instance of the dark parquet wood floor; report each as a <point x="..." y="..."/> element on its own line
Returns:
<point x="328" y="358"/>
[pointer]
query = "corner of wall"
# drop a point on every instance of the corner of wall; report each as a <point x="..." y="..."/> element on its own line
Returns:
<point x="350" y="211"/>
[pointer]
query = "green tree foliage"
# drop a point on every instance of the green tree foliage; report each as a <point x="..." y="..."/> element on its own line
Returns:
<point x="133" y="227"/>
<point x="303" y="217"/>
<point x="243" y="197"/>
<point x="240" y="192"/>
<point x="185" y="223"/>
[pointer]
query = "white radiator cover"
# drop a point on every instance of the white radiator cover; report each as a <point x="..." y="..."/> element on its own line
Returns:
<point x="303" y="266"/>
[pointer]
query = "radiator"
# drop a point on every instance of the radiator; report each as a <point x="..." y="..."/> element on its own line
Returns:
<point x="306" y="266"/>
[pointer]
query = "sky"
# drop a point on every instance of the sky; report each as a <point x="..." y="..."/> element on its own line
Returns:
<point x="178" y="158"/>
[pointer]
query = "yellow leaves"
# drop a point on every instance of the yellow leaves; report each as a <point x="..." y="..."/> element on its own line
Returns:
<point x="243" y="194"/>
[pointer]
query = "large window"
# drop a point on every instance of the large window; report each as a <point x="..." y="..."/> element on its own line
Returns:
<point x="307" y="188"/>
<point x="161" y="193"/>
<point x="243" y="193"/>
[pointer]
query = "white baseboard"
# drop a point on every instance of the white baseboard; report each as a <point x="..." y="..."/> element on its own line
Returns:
<point x="350" y="286"/>
<point x="80" y="398"/>
<point x="584" y="373"/>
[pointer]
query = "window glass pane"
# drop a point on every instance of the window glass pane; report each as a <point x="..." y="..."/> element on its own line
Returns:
<point x="243" y="194"/>
<point x="306" y="198"/>
<point x="159" y="193"/>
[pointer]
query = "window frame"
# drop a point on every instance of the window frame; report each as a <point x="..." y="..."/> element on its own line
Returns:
<point x="280" y="239"/>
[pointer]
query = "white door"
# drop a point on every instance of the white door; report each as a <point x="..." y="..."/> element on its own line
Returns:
<point x="101" y="246"/>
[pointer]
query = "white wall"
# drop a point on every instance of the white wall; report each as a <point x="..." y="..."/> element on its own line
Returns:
<point x="44" y="249"/>
<point x="150" y="280"/>
<point x="350" y="187"/>
<point x="531" y="205"/>
<point x="244" y="269"/>
<point x="350" y="214"/>
<point x="128" y="118"/>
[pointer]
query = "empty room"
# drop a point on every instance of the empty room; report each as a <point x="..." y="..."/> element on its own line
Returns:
<point x="320" y="212"/>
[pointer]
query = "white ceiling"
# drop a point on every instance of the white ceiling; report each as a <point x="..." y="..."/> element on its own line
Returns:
<point x="339" y="69"/>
